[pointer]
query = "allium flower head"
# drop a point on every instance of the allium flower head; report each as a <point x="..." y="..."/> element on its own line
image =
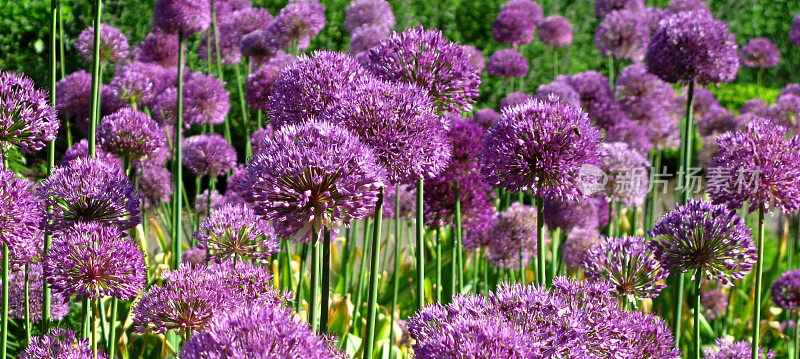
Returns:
<point x="80" y="149"/>
<point x="715" y="303"/>
<point x="603" y="8"/>
<point x="367" y="37"/>
<point x="206" y="100"/>
<point x="755" y="106"/>
<point x="440" y="195"/>
<point x="234" y="231"/>
<point x="261" y="331"/>
<point x="592" y="87"/>
<point x="529" y="7"/>
<point x="695" y="6"/>
<point x="425" y="58"/>
<point x="792" y="89"/>
<point x="759" y="165"/>
<point x="786" y="111"/>
<point x="16" y="292"/>
<point x="397" y="122"/>
<point x="629" y="265"/>
<point x="182" y="16"/>
<point x="570" y="214"/>
<point x="158" y="47"/>
<point x="578" y="243"/>
<point x="311" y="85"/>
<point x="513" y="236"/>
<point x="653" y="16"/>
<point x="540" y="146"/>
<point x="229" y="39"/>
<point x="632" y="134"/>
<point x="407" y="196"/>
<point x="514" y="99"/>
<point x="130" y="134"/>
<point x="205" y="200"/>
<point x="298" y="21"/>
<point x="726" y="349"/>
<point x="113" y="44"/>
<point x="794" y="32"/>
<point x="786" y="291"/>
<point x="513" y="27"/>
<point x="677" y="55"/>
<point x="486" y="117"/>
<point x="208" y="155"/>
<point x="760" y="53"/>
<point x="313" y="176"/>
<point x="704" y="237"/>
<point x="507" y="63"/>
<point x="132" y="88"/>
<point x="155" y="184"/>
<point x="648" y="101"/>
<point x="59" y="344"/>
<point x="20" y="212"/>
<point x="368" y="13"/>
<point x="622" y="34"/>
<point x="26" y="118"/>
<point x="556" y="31"/>
<point x="90" y="190"/>
<point x="259" y="87"/>
<point x="93" y="260"/>
<point x="478" y="230"/>
<point x="717" y="120"/>
<point x="475" y="56"/>
<point x="627" y="174"/>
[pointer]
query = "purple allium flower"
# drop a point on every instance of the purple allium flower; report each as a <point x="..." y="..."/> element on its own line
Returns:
<point x="513" y="236"/>
<point x="310" y="86"/>
<point x="202" y="202"/>
<point x="16" y="292"/>
<point x="194" y="255"/>
<point x="440" y="198"/>
<point x="570" y="214"/>
<point x="377" y="13"/>
<point x="131" y="87"/>
<point x="786" y="111"/>
<point x="250" y="19"/>
<point x="760" y="53"/>
<point x="182" y="16"/>
<point x="367" y="37"/>
<point x="258" y="330"/>
<point x="92" y="260"/>
<point x="792" y="89"/>
<point x="397" y="122"/>
<point x="579" y="241"/>
<point x="653" y="16"/>
<point x="407" y="198"/>
<point x="622" y="34"/>
<point x="786" y="291"/>
<point x="515" y="98"/>
<point x="603" y="8"/>
<point x="513" y="27"/>
<point x="258" y="137"/>
<point x="717" y="120"/>
<point x="73" y="96"/>
<point x="193" y="295"/>
<point x="486" y="117"/>
<point x="794" y="32"/>
<point x="759" y="165"/>
<point x="715" y="303"/>
<point x="297" y="22"/>
<point x="627" y="174"/>
<point x="648" y="101"/>
<point x="475" y="56"/>
<point x="704" y="100"/>
<point x="130" y="134"/>
<point x="704" y="238"/>
<point x="158" y="47"/>
<point x="631" y="133"/>
<point x="755" y="106"/>
<point x="591" y="86"/>
<point x="90" y="190"/>
<point x="20" y="216"/>
<point x="507" y="63"/>
<point x="628" y="264"/>
<point x="528" y="7"/>
<point x="606" y="113"/>
<point x="59" y="344"/>
<point x="155" y="185"/>
<point x="540" y="146"/>
<point x="556" y="31"/>
<point x="259" y="87"/>
<point x="478" y="230"/>
<point x="208" y="155"/>
<point x="261" y="43"/>
<point x="113" y="44"/>
<point x="427" y="59"/>
<point x="236" y="232"/>
<point x="229" y="38"/>
<point x="312" y="176"/>
<point x="80" y="149"/>
<point x="695" y="6"/>
<point x="726" y="349"/>
<point x="26" y="118"/>
<point x="676" y="54"/>
<point x="206" y="100"/>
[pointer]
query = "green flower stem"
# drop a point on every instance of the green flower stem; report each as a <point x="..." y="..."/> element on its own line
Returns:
<point x="112" y="332"/>
<point x="420" y="235"/>
<point x="555" y="63"/>
<point x="395" y="272"/>
<point x="651" y="212"/>
<point x="459" y="234"/>
<point x="792" y="242"/>
<point x="348" y="249"/>
<point x="27" y="306"/>
<point x="301" y="278"/>
<point x="248" y="146"/>
<point x="313" y="309"/>
<point x="555" y="263"/>
<point x="96" y="80"/>
<point x="540" y="248"/>
<point x="177" y="166"/>
<point x="797" y="336"/>
<point x="372" y="306"/>
<point x="4" y="336"/>
<point x="95" y="318"/>
<point x="611" y="219"/>
<point x="611" y="71"/>
<point x="437" y="241"/>
<point x="259" y="119"/>
<point x="326" y="281"/>
<point x="697" y="340"/>
<point x="362" y="271"/>
<point x="679" y="280"/>
<point x="758" y="273"/>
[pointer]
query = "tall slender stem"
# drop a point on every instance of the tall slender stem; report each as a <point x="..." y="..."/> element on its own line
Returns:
<point x="797" y="336"/>
<point x="555" y="63"/>
<point x="687" y="143"/>
<point x="540" y="248"/>
<point x="4" y="335"/>
<point x="372" y="306"/>
<point x="177" y="165"/>
<point x="27" y="305"/>
<point x="346" y="267"/>
<point x="792" y="241"/>
<point x="362" y="270"/>
<point x="326" y="280"/>
<point x="437" y="241"/>
<point x="758" y="273"/>
<point x="95" y="319"/>
<point x="611" y="71"/>
<point x="301" y="277"/>
<point x="697" y="340"/>
<point x="248" y="147"/>
<point x="678" y="309"/>
<point x="96" y="80"/>
<point x="457" y="239"/>
<point x="651" y="213"/>
<point x="420" y="233"/>
<point x="112" y="332"/>
<point x="313" y="309"/>
<point x="396" y="264"/>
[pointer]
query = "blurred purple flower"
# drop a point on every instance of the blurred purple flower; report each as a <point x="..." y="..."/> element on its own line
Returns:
<point x="602" y="8"/>
<point x="377" y="13"/>
<point x="715" y="303"/>
<point x="514" y="27"/>
<point x="575" y="247"/>
<point x="507" y="63"/>
<point x="623" y="34"/>
<point x="556" y="31"/>
<point x="130" y="134"/>
<point x="158" y="47"/>
<point x="760" y="53"/>
<point x="726" y="349"/>
<point x="113" y="44"/>
<point x="208" y="155"/>
<point x="185" y="17"/>
<point x="59" y="343"/>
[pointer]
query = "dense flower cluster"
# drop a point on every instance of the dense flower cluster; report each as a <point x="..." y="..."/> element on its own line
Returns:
<point x="760" y="53"/>
<point x="556" y="31"/>
<point x="113" y="44"/>
<point x="130" y="134"/>
<point x="235" y="232"/>
<point x="32" y="276"/>
<point x="507" y="63"/>
<point x="628" y="265"/>
<point x="786" y="291"/>
<point x="627" y="174"/>
<point x="26" y="118"/>
<point x="60" y="344"/>
<point x="622" y="34"/>
<point x="208" y="155"/>
<point x="361" y="13"/>
<point x="513" y="237"/>
<point x="715" y="303"/>
<point x="577" y="245"/>
<point x="726" y="349"/>
<point x="184" y="17"/>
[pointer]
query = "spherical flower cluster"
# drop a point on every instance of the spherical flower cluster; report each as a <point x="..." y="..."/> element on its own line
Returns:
<point x="695" y="6"/>
<point x="648" y="101"/>
<point x="365" y="38"/>
<point x="570" y="214"/>
<point x="478" y="230"/>
<point x="235" y="232"/>
<point x="440" y="195"/>
<point x="475" y="56"/>
<point x="228" y="38"/>
<point x="755" y="106"/>
<point x="717" y="120"/>
<point x="676" y="54"/>
<point x="397" y="122"/>
<point x="261" y="331"/>
<point x="26" y="118"/>
<point x="20" y="217"/>
<point x="507" y="63"/>
<point x="206" y="100"/>
<point x="794" y="32"/>
<point x="313" y="176"/>
<point x="136" y="88"/>
<point x="130" y="134"/>
<point x="60" y="344"/>
<point x="558" y="91"/>
<point x="427" y="59"/>
<point x="786" y="291"/>
<point x="368" y="13"/>
<point x="530" y="8"/>
<point x="205" y="200"/>
<point x="556" y="31"/>
<point x="260" y="85"/>
<point x="715" y="303"/>
<point x="406" y="195"/>
<point x="627" y="174"/>
<point x="160" y="48"/>
<point x="577" y="245"/>
<point x="704" y="239"/>
<point x="591" y="86"/>
<point x="310" y="86"/>
<point x="155" y="185"/>
<point x="791" y="89"/>
<point x="622" y="34"/>
<point x="726" y="349"/>
<point x="113" y="44"/>
<point x="80" y="149"/>
<point x="185" y="17"/>
<point x="89" y="190"/>
<point x="786" y="111"/>
<point x="628" y="264"/>
<point x="94" y="260"/>
<point x="208" y="155"/>
<point x="760" y="53"/>
<point x="514" y="99"/>
<point x="513" y="237"/>
<point x="17" y="282"/>
<point x="764" y="156"/>
<point x="486" y="117"/>
<point x="602" y="8"/>
<point x="540" y="146"/>
<point x="632" y="134"/>
<point x="297" y="22"/>
<point x="513" y="27"/>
